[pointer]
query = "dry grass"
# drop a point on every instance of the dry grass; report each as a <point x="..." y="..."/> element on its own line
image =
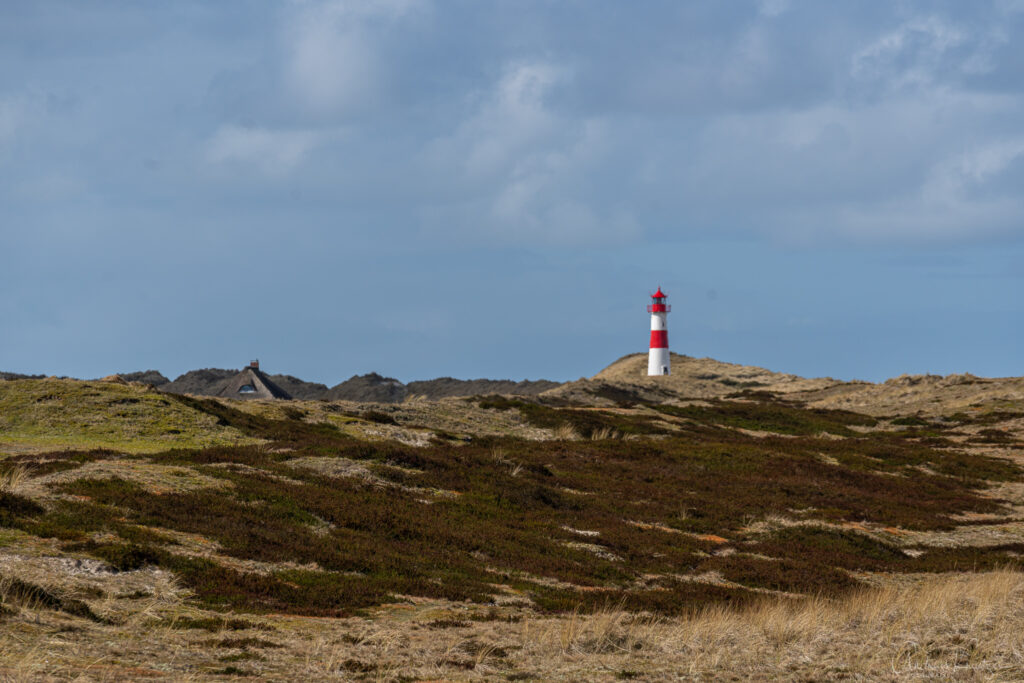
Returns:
<point x="703" y="378"/>
<point x="951" y="627"/>
<point x="153" y="477"/>
<point x="12" y="478"/>
<point x="604" y="433"/>
<point x="565" y="432"/>
<point x="939" y="628"/>
<point x="690" y="378"/>
<point x="499" y="455"/>
<point x="606" y="631"/>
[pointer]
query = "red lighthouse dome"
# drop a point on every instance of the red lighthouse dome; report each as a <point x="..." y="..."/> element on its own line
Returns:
<point x="659" y="305"/>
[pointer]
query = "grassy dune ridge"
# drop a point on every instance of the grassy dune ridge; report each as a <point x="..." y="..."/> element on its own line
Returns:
<point x="51" y="414"/>
<point x="641" y="516"/>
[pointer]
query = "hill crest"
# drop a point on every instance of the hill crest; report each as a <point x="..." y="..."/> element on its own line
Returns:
<point x="707" y="378"/>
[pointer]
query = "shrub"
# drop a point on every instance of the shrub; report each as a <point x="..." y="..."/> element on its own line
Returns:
<point x="378" y="417"/>
<point x="580" y="422"/>
<point x="910" y="421"/>
<point x="14" y="509"/>
<point x="126" y="557"/>
<point x="831" y="547"/>
<point x="214" y="624"/>
<point x="791" y="574"/>
<point x="451" y="521"/>
<point x="771" y="415"/>
<point x="30" y="594"/>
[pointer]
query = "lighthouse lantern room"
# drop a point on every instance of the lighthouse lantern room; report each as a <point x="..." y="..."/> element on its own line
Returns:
<point x="657" y="361"/>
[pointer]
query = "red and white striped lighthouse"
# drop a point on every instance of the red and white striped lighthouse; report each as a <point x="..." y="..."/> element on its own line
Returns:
<point x="657" y="361"/>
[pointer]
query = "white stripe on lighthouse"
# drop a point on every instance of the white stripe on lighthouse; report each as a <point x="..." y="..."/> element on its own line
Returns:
<point x="658" y="363"/>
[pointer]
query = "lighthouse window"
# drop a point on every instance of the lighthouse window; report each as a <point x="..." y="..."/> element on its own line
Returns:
<point x="247" y="389"/>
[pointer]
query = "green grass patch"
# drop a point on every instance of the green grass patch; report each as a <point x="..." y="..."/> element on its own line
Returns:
<point x="61" y="413"/>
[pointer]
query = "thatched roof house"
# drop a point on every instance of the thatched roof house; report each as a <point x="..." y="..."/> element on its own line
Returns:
<point x="252" y="383"/>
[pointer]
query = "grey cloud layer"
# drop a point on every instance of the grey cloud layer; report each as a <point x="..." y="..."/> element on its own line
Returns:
<point x="540" y="123"/>
<point x="559" y="126"/>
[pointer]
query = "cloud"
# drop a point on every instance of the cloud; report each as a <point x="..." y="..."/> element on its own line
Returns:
<point x="525" y="170"/>
<point x="54" y="186"/>
<point x="839" y="135"/>
<point x="273" y="152"/>
<point x="512" y="121"/>
<point x="975" y="168"/>
<point x="969" y="195"/>
<point x="773" y="8"/>
<point x="11" y="118"/>
<point x="926" y="51"/>
<point x="530" y="128"/>
<point x="1010" y="6"/>
<point x="20" y="114"/>
<point x="926" y="167"/>
<point x="336" y="63"/>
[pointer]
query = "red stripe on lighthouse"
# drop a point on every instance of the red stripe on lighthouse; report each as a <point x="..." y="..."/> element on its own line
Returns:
<point x="659" y="339"/>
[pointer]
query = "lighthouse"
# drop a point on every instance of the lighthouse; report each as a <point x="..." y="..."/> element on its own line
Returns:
<point x="657" y="361"/>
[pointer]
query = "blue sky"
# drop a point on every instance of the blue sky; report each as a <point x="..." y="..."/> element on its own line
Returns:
<point x="492" y="189"/>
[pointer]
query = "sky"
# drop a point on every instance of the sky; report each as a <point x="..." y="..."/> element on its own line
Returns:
<point x="493" y="189"/>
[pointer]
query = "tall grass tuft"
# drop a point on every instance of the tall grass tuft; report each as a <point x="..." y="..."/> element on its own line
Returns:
<point x="604" y="433"/>
<point x="11" y="478"/>
<point x="565" y="432"/>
